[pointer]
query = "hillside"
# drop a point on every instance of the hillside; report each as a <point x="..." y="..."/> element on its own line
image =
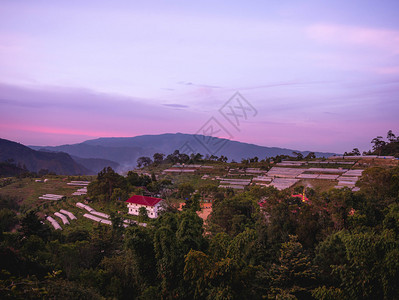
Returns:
<point x="126" y="150"/>
<point x="95" y="164"/>
<point x="59" y="163"/>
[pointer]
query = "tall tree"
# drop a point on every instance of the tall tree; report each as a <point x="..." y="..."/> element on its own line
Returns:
<point x="107" y="181"/>
<point x="295" y="274"/>
<point x="144" y="161"/>
<point x="158" y="157"/>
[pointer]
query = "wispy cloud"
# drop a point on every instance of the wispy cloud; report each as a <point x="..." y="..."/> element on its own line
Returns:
<point x="78" y="114"/>
<point x="175" y="105"/>
<point x="188" y="83"/>
<point x="388" y="70"/>
<point x="384" y="39"/>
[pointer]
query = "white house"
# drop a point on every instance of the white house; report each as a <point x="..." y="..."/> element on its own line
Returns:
<point x="152" y="205"/>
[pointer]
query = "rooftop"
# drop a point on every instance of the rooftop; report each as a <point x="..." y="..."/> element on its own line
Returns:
<point x="143" y="200"/>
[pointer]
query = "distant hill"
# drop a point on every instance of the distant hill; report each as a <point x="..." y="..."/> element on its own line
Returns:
<point x="59" y="163"/>
<point x="96" y="164"/>
<point x="126" y="150"/>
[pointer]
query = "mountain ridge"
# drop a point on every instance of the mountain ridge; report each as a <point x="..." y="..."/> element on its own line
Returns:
<point x="126" y="150"/>
<point x="34" y="161"/>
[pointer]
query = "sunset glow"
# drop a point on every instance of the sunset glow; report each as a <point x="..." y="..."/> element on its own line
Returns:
<point x="323" y="76"/>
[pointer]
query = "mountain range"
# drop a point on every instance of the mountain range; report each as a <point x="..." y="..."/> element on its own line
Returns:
<point x="26" y="158"/>
<point x="121" y="153"/>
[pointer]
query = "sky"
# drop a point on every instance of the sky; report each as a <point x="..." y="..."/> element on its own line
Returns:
<point x="311" y="75"/>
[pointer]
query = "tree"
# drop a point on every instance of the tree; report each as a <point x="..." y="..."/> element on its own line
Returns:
<point x="356" y="151"/>
<point x="117" y="225"/>
<point x="107" y="181"/>
<point x="254" y="159"/>
<point x="193" y="203"/>
<point x="213" y="157"/>
<point x="31" y="225"/>
<point x="391" y="136"/>
<point x="310" y="155"/>
<point x="218" y="246"/>
<point x="144" y="161"/>
<point x="381" y="147"/>
<point x="170" y="261"/>
<point x="378" y="144"/>
<point x="183" y="158"/>
<point x="189" y="234"/>
<point x="295" y="274"/>
<point x="8" y="219"/>
<point x="135" y="179"/>
<point x="299" y="155"/>
<point x="143" y="214"/>
<point x="329" y="253"/>
<point x="242" y="247"/>
<point x="174" y="157"/>
<point x="185" y="190"/>
<point x="119" y="194"/>
<point x="140" y="242"/>
<point x="197" y="157"/>
<point x="223" y="158"/>
<point x="158" y="157"/>
<point x="380" y="184"/>
<point x="371" y="268"/>
<point x="196" y="268"/>
<point x="232" y="215"/>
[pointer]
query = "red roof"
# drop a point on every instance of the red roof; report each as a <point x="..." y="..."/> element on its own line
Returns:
<point x="143" y="200"/>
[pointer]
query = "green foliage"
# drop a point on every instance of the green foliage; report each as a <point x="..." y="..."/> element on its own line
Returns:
<point x="219" y="246"/>
<point x="8" y="219"/>
<point x="189" y="234"/>
<point x="144" y="161"/>
<point x="389" y="147"/>
<point x="340" y="245"/>
<point x="325" y="293"/>
<point x="193" y="203"/>
<point x="232" y="215"/>
<point x="143" y="214"/>
<point x="295" y="274"/>
<point x="32" y="225"/>
<point x="380" y="184"/>
<point x="107" y="181"/>
<point x="185" y="190"/>
<point x="135" y="179"/>
<point x="196" y="269"/>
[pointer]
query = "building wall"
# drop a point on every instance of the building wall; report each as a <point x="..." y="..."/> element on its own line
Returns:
<point x="152" y="211"/>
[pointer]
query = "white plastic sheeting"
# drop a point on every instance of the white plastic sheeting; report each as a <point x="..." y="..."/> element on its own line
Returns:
<point x="356" y="173"/>
<point x="84" y="206"/>
<point x="285" y="172"/>
<point x="97" y="219"/>
<point x="52" y="197"/>
<point x="54" y="223"/>
<point x="62" y="217"/>
<point x="79" y="183"/>
<point x="237" y="187"/>
<point x="100" y="214"/>
<point x="328" y="177"/>
<point x="307" y="176"/>
<point x="283" y="183"/>
<point x="69" y="214"/>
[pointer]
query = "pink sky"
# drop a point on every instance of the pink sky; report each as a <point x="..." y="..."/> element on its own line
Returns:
<point x="321" y="76"/>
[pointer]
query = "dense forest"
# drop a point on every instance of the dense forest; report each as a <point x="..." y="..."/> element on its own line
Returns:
<point x="258" y="244"/>
<point x="262" y="243"/>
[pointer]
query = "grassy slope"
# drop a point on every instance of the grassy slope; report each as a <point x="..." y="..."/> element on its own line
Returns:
<point x="28" y="192"/>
